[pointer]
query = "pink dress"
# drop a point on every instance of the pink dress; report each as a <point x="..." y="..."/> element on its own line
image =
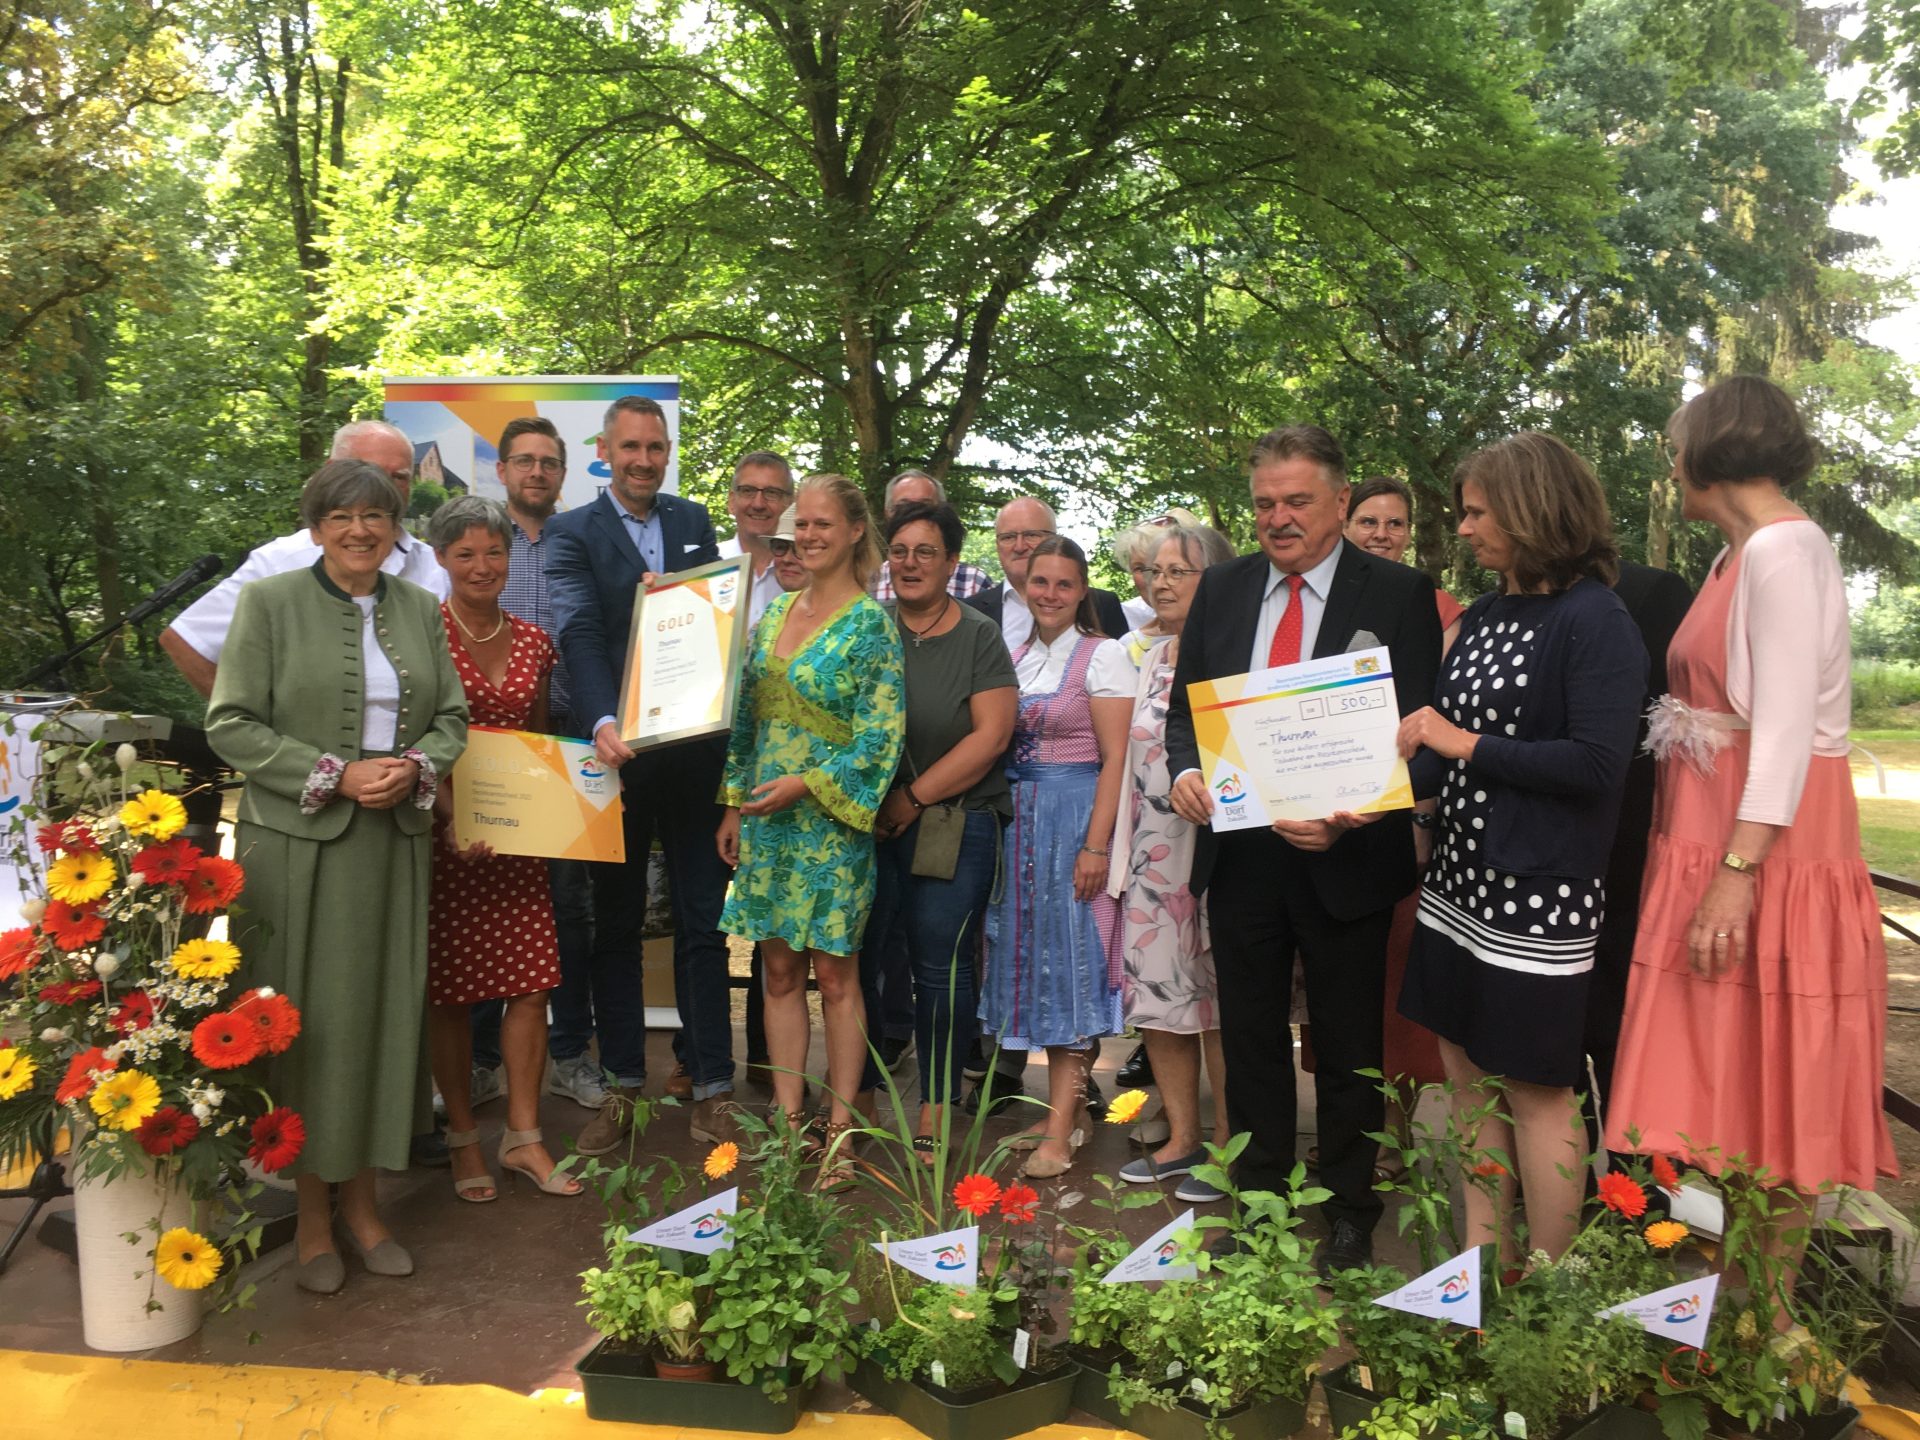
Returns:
<point x="1780" y="1059"/>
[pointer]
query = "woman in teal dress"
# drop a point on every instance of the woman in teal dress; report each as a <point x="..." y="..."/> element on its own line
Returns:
<point x="816" y="737"/>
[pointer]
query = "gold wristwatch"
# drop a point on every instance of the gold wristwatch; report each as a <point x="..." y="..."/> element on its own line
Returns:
<point x="1739" y="863"/>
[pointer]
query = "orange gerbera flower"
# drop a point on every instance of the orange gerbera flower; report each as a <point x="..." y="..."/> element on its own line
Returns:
<point x="976" y="1194"/>
<point x="1664" y="1175"/>
<point x="72" y="927"/>
<point x="18" y="950"/>
<point x="223" y="1040"/>
<point x="214" y="885"/>
<point x="78" y="1082"/>
<point x="274" y="1018"/>
<point x="1018" y="1204"/>
<point x="1620" y="1195"/>
<point x="721" y="1160"/>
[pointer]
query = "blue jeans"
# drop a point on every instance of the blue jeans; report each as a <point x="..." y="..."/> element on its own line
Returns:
<point x="942" y="920"/>
<point x="669" y="793"/>
<point x="572" y="1024"/>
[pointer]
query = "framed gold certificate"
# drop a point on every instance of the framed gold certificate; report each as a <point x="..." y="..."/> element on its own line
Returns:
<point x="528" y="794"/>
<point x="684" y="655"/>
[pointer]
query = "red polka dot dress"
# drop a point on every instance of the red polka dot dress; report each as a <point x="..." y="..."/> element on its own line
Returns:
<point x="490" y="922"/>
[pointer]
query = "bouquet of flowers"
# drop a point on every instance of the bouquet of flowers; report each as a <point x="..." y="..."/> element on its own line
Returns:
<point x="124" y="1023"/>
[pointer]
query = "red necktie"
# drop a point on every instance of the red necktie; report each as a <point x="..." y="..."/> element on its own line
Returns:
<point x="1285" y="649"/>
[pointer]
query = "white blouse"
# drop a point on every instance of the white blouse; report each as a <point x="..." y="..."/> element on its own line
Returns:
<point x="380" y="719"/>
<point x="1110" y="674"/>
<point x="1789" y="662"/>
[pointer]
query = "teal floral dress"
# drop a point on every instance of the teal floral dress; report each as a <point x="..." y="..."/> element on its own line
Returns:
<point x="834" y="713"/>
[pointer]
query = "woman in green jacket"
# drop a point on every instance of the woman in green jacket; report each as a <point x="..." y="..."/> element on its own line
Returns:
<point x="337" y="699"/>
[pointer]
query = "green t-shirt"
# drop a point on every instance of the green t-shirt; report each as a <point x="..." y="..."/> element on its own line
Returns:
<point x="944" y="673"/>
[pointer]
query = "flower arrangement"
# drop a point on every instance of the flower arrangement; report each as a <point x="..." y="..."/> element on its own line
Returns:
<point x="125" y="1023"/>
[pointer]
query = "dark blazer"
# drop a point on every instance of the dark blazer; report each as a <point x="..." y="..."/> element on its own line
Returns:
<point x="1372" y="867"/>
<point x="992" y="602"/>
<point x="592" y="574"/>
<point x="1658" y="601"/>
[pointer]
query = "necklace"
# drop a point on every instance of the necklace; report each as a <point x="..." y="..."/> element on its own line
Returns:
<point x="919" y="635"/>
<point x="477" y="639"/>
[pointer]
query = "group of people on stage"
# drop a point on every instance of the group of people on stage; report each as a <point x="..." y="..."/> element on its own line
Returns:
<point x="980" y="804"/>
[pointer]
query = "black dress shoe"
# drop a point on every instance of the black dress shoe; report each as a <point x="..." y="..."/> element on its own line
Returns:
<point x="430" y="1149"/>
<point x="1349" y="1248"/>
<point x="1137" y="1072"/>
<point x="996" y="1092"/>
<point x="1229" y="1243"/>
<point x="1096" y="1102"/>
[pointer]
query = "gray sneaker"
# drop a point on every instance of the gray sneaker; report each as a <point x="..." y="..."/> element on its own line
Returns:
<point x="579" y="1080"/>
<point x="1196" y="1191"/>
<point x="487" y="1085"/>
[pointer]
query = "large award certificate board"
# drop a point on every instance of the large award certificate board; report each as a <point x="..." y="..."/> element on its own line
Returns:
<point x="528" y="794"/>
<point x="684" y="655"/>
<point x="1300" y="742"/>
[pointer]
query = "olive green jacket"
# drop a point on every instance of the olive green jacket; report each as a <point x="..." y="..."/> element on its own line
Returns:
<point x="288" y="695"/>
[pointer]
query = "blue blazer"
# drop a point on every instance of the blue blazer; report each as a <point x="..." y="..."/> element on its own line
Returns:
<point x="593" y="572"/>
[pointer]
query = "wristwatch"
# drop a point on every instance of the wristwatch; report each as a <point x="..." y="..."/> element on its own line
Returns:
<point x="1739" y="863"/>
<point x="1425" y="819"/>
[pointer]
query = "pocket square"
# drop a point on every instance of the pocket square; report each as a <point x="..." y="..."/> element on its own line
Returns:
<point x="1363" y="640"/>
<point x="694" y="546"/>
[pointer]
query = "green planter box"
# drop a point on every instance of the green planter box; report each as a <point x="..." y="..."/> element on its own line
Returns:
<point x="1617" y="1422"/>
<point x="621" y="1386"/>
<point x="1265" y="1420"/>
<point x="1348" y="1402"/>
<point x="998" y="1414"/>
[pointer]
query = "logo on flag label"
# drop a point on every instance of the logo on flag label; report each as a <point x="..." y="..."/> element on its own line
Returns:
<point x="699" y="1229"/>
<point x="1447" y="1292"/>
<point x="1153" y="1258"/>
<point x="951" y="1257"/>
<point x="1679" y="1312"/>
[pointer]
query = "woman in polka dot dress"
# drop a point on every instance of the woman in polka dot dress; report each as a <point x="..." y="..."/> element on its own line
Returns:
<point x="490" y="917"/>
<point x="1526" y="746"/>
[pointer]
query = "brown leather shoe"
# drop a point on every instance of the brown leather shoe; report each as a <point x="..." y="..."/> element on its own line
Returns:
<point x="715" y="1120"/>
<point x="680" y="1084"/>
<point x="606" y="1129"/>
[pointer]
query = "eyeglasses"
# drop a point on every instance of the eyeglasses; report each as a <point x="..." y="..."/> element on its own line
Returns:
<point x="919" y="554"/>
<point x="1175" y="573"/>
<point x="1373" y="522"/>
<point x="778" y="545"/>
<point x="545" y="464"/>
<point x="762" y="492"/>
<point x="1016" y="537"/>
<point x="371" y="519"/>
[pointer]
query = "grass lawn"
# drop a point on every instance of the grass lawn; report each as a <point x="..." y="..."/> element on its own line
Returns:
<point x="1890" y="823"/>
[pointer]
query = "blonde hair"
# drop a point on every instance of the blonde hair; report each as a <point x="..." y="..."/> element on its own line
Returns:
<point x="853" y="504"/>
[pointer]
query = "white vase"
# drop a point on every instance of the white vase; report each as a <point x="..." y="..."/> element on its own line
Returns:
<point x="117" y="1276"/>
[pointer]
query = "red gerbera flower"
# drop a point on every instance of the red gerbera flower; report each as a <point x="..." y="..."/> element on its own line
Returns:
<point x="79" y="1081"/>
<point x="18" y="950"/>
<point x="274" y="1017"/>
<point x="166" y="1130"/>
<point x="1489" y="1169"/>
<point x="72" y="927"/>
<point x="223" y="1040"/>
<point x="1620" y="1195"/>
<point x="57" y="835"/>
<point x="69" y="992"/>
<point x="976" y="1194"/>
<point x="135" y="1012"/>
<point x="278" y="1137"/>
<point x="1664" y="1175"/>
<point x="213" y="886"/>
<point x="1018" y="1204"/>
<point x="169" y="864"/>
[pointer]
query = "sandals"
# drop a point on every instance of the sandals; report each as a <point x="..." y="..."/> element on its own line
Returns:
<point x="836" y="1156"/>
<point x="470" y="1188"/>
<point x="551" y="1184"/>
<point x="925" y="1149"/>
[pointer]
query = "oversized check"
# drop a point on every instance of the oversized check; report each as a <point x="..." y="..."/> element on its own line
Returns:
<point x="683" y="657"/>
<point x="1299" y="742"/>
<point x="528" y="794"/>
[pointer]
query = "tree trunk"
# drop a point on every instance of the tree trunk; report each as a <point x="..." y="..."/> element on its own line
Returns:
<point x="102" y="523"/>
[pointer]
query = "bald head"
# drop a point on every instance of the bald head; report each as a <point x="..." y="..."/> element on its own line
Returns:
<point x="381" y="444"/>
<point x="1020" y="525"/>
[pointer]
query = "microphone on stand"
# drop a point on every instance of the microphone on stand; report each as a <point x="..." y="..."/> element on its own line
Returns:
<point x="198" y="573"/>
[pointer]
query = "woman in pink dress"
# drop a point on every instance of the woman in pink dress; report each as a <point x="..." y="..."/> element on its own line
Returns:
<point x="1756" y="1016"/>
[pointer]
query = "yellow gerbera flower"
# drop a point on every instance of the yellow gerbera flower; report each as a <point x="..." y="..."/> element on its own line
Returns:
<point x="721" y="1159"/>
<point x="205" y="959"/>
<point x="16" y="1072"/>
<point x="1124" y="1108"/>
<point x="155" y="814"/>
<point x="185" y="1260"/>
<point x="1665" y="1234"/>
<point x="123" y="1100"/>
<point x="80" y="878"/>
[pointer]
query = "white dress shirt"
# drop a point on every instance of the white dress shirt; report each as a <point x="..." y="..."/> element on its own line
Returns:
<point x="1313" y="604"/>
<point x="204" y="624"/>
<point x="1016" y="621"/>
<point x="380" y="708"/>
<point x="761" y="588"/>
<point x="1139" y="613"/>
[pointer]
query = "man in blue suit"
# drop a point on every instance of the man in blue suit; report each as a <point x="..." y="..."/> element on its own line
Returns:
<point x="597" y="556"/>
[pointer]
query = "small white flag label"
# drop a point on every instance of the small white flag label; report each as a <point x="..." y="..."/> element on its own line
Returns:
<point x="1449" y="1291"/>
<point x="699" y="1229"/>
<point x="1153" y="1258"/>
<point x="951" y="1257"/>
<point x="1678" y="1313"/>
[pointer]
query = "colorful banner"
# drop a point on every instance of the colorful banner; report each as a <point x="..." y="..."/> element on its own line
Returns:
<point x="1450" y="1291"/>
<point x="19" y="766"/>
<point x="699" y="1229"/>
<point x="455" y="423"/>
<point x="1678" y="1313"/>
<point x="528" y="794"/>
<point x="1153" y="1258"/>
<point x="951" y="1257"/>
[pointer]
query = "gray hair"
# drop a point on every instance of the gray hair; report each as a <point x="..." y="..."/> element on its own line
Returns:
<point x="354" y="429"/>
<point x="766" y="460"/>
<point x="345" y="485"/>
<point x="1136" y="544"/>
<point x="939" y="490"/>
<point x="450" y="523"/>
<point x="1200" y="545"/>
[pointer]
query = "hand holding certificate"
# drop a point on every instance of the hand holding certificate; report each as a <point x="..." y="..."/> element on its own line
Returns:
<point x="1301" y="742"/>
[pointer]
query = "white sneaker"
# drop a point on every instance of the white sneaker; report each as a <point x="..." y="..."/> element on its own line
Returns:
<point x="579" y="1080"/>
<point x="487" y="1085"/>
